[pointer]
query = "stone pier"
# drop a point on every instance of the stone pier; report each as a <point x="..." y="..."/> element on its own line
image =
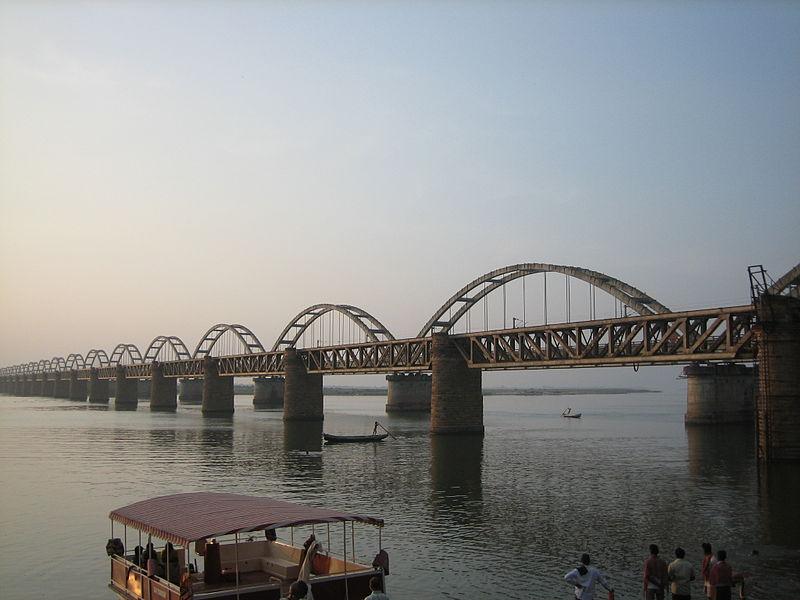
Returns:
<point x="456" y="393"/>
<point x="719" y="394"/>
<point x="268" y="392"/>
<point x="126" y="391"/>
<point x="217" y="390"/>
<point x="408" y="392"/>
<point x="302" y="392"/>
<point x="98" y="388"/>
<point x="61" y="386"/>
<point x="77" y="388"/>
<point x="191" y="391"/>
<point x="777" y="414"/>
<point x="163" y="390"/>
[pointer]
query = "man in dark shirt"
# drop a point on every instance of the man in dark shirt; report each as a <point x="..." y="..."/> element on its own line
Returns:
<point x="655" y="575"/>
<point x="721" y="577"/>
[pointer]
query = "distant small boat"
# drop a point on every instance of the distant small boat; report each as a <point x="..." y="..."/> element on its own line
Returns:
<point x="568" y="414"/>
<point x="350" y="439"/>
<point x="344" y="439"/>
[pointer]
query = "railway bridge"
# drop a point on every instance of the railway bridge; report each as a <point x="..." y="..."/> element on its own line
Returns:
<point x="440" y="369"/>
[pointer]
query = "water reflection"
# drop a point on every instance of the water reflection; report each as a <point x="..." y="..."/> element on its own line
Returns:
<point x="302" y="436"/>
<point x="721" y="452"/>
<point x="779" y="489"/>
<point x="456" y="471"/>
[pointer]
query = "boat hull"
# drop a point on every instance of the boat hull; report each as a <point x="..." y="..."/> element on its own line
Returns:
<point x="353" y="439"/>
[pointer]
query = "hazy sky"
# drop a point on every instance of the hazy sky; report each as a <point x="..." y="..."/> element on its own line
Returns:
<point x="167" y="166"/>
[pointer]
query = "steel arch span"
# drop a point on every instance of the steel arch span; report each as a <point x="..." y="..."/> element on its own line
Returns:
<point x="212" y="336"/>
<point x="57" y="363"/>
<point x="95" y="355"/>
<point x="123" y="350"/>
<point x="477" y="289"/>
<point x="75" y="361"/>
<point x="373" y="329"/>
<point x="170" y="342"/>
<point x="790" y="278"/>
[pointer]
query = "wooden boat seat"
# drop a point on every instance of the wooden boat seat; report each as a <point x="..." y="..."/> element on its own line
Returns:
<point x="282" y="567"/>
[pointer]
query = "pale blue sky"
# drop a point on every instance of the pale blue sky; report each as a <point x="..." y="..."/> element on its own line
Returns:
<point x="166" y="166"/>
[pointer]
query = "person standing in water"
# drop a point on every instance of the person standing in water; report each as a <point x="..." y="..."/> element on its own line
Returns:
<point x="584" y="577"/>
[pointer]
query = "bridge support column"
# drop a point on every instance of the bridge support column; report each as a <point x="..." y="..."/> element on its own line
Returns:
<point x="217" y="390"/>
<point x="456" y="392"/>
<point x="126" y="391"/>
<point x="43" y="387"/>
<point x="191" y="391"/>
<point x="407" y="392"/>
<point x="719" y="394"/>
<point x="777" y="414"/>
<point x="98" y="388"/>
<point x="268" y="392"/>
<point x="26" y="386"/>
<point x="77" y="387"/>
<point x="61" y="386"/>
<point x="163" y="390"/>
<point x="302" y="392"/>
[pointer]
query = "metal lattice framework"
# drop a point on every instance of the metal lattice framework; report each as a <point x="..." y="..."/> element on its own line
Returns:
<point x="75" y="361"/>
<point x="57" y="363"/>
<point x="96" y="358"/>
<point x="43" y="366"/>
<point x="242" y="333"/>
<point x="373" y="329"/>
<point x="123" y="352"/>
<point x="718" y="334"/>
<point x="476" y="290"/>
<point x="169" y="342"/>
<point x="790" y="279"/>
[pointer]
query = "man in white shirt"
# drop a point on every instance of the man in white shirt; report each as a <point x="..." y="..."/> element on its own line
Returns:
<point x="584" y="578"/>
<point x="680" y="574"/>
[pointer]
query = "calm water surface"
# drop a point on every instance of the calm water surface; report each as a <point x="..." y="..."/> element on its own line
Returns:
<point x="503" y="515"/>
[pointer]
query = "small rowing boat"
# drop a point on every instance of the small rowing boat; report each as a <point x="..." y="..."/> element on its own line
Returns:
<point x="568" y="414"/>
<point x="345" y="439"/>
<point x="351" y="439"/>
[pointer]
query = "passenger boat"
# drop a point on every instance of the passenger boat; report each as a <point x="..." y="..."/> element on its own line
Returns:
<point x="345" y="439"/>
<point x="568" y="414"/>
<point x="234" y="547"/>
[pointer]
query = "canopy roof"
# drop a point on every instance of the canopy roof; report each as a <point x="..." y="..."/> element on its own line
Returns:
<point x="185" y="518"/>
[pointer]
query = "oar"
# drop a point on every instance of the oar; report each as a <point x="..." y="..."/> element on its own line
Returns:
<point x="386" y="430"/>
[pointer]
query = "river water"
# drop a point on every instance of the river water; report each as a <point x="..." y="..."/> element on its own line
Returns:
<point x="504" y="515"/>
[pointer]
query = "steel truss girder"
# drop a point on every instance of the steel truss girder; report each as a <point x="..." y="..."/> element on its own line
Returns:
<point x="372" y="357"/>
<point x="718" y="334"/>
<point x="722" y="334"/>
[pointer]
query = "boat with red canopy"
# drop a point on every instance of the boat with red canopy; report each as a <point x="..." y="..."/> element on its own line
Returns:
<point x="230" y="546"/>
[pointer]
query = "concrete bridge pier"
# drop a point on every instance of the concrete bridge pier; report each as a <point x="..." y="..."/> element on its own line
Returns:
<point x="126" y="391"/>
<point x="268" y="392"/>
<point x="408" y="392"/>
<point x="26" y="386"/>
<point x="163" y="390"/>
<point x="44" y="388"/>
<point x="191" y="391"/>
<point x="302" y="392"/>
<point x="456" y="392"/>
<point x="98" y="388"/>
<point x="217" y="390"/>
<point x="77" y="387"/>
<point x="61" y="386"/>
<point x="777" y="415"/>
<point x="719" y="394"/>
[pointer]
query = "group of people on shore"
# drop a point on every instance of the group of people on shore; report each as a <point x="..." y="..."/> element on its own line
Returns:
<point x="719" y="579"/>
